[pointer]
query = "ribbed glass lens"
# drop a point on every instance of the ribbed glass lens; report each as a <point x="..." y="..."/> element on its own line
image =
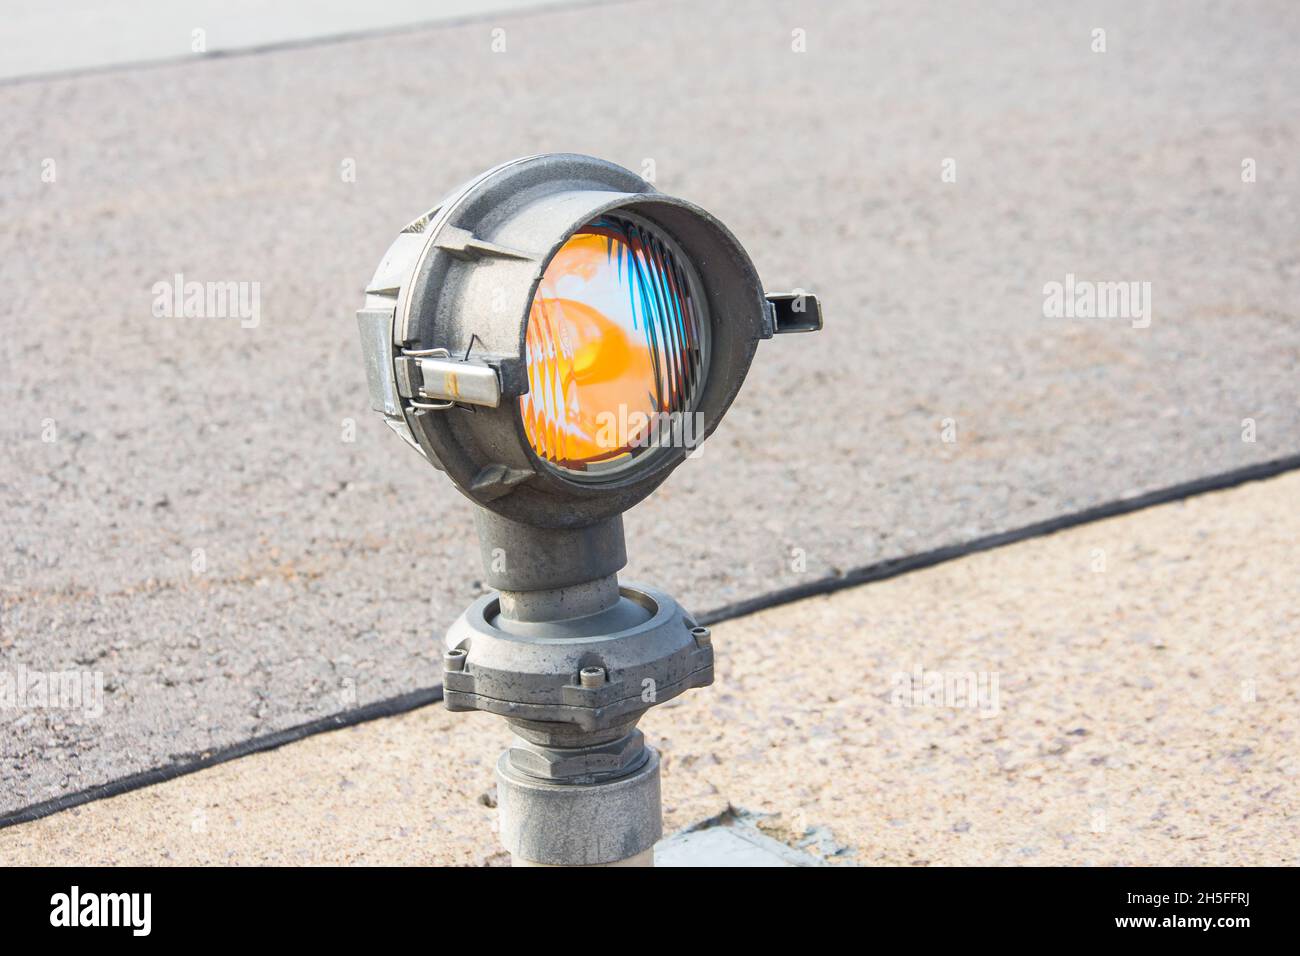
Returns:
<point x="616" y="349"/>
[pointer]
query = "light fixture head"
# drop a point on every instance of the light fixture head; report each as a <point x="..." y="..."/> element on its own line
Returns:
<point x="557" y="335"/>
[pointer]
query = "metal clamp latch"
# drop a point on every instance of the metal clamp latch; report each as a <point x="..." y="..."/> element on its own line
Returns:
<point x="449" y="381"/>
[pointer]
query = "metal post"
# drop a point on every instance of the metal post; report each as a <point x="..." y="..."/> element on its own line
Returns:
<point x="572" y="659"/>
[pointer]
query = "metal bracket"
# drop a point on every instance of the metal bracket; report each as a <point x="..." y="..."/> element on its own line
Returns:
<point x="376" y="327"/>
<point x="796" y="311"/>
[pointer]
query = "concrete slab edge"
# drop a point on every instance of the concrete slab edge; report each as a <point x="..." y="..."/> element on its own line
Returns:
<point x="875" y="572"/>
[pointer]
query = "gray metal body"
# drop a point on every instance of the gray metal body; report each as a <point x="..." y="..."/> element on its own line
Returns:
<point x="572" y="824"/>
<point x="568" y="655"/>
<point x="527" y="645"/>
<point x="572" y="659"/>
<point x="446" y="313"/>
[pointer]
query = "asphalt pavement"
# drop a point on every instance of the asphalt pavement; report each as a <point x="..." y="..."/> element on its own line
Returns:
<point x="205" y="512"/>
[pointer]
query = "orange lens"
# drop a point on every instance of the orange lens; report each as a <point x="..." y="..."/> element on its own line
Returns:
<point x="615" y="339"/>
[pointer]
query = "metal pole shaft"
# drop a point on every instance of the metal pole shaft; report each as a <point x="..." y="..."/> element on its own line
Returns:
<point x="572" y="659"/>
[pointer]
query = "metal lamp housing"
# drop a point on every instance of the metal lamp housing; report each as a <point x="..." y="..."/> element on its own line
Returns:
<point x="445" y="321"/>
<point x="569" y="655"/>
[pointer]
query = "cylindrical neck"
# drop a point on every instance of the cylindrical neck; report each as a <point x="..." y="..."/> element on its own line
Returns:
<point x="551" y="574"/>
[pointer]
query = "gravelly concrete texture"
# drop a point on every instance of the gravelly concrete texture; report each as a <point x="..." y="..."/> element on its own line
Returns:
<point x="326" y="563"/>
<point x="1144" y="713"/>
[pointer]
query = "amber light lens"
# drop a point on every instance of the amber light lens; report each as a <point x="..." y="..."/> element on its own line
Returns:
<point x="615" y="338"/>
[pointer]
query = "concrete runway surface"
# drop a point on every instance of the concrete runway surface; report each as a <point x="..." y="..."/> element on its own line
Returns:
<point x="209" y="516"/>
